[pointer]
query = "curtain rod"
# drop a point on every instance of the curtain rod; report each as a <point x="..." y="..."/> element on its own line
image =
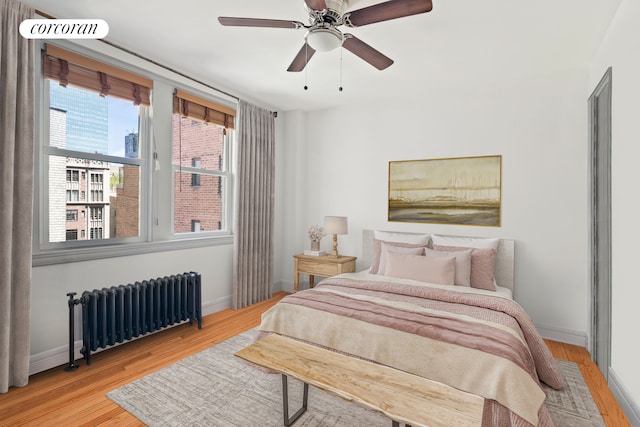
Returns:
<point x="48" y="16"/>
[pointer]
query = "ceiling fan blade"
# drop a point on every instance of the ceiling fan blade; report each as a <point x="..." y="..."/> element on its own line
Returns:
<point x="392" y="9"/>
<point x="316" y="4"/>
<point x="257" y="22"/>
<point x="302" y="58"/>
<point x="366" y="52"/>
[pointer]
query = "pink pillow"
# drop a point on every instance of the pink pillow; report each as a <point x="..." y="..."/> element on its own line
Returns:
<point x="463" y="264"/>
<point x="426" y="269"/>
<point x="377" y="250"/>
<point x="483" y="262"/>
<point x="387" y="247"/>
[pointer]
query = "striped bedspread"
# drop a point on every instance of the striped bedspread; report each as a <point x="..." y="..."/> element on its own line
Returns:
<point x="469" y="339"/>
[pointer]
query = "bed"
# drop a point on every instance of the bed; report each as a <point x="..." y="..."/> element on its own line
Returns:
<point x="435" y="306"/>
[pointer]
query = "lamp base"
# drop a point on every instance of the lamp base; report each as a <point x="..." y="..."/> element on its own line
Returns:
<point x="334" y="252"/>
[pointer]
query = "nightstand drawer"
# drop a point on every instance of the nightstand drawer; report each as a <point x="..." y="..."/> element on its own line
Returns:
<point x="325" y="266"/>
<point x="310" y="267"/>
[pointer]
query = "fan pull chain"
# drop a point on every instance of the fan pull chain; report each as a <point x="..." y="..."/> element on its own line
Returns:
<point x="341" y="50"/>
<point x="306" y="62"/>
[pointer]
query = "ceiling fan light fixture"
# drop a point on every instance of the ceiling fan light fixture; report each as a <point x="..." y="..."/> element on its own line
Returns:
<point x="324" y="39"/>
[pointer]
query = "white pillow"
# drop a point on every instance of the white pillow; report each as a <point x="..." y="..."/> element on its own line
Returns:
<point x="389" y="236"/>
<point x="377" y="252"/>
<point x="386" y="248"/>
<point x="463" y="264"/>
<point x="467" y="242"/>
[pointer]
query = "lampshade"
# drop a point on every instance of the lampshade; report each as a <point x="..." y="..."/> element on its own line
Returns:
<point x="335" y="225"/>
<point x="324" y="39"/>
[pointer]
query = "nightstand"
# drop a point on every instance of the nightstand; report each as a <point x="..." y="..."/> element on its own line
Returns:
<point x="325" y="266"/>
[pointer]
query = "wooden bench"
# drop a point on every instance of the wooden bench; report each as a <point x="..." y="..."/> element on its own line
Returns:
<point x="403" y="397"/>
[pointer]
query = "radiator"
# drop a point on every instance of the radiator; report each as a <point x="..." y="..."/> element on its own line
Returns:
<point x="120" y="313"/>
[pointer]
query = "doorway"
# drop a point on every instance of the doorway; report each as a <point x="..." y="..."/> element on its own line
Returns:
<point x="600" y="225"/>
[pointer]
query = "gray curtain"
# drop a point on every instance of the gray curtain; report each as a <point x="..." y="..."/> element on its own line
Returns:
<point x="253" y="249"/>
<point x="16" y="193"/>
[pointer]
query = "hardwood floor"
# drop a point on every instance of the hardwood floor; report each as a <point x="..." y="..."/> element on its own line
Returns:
<point x="59" y="398"/>
<point x="607" y="404"/>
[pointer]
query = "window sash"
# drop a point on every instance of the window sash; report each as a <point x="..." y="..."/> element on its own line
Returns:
<point x="144" y="231"/>
<point x="63" y="152"/>
<point x="223" y="188"/>
<point x="206" y="202"/>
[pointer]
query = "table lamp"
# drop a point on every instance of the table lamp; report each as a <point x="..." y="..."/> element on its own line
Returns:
<point x="335" y="225"/>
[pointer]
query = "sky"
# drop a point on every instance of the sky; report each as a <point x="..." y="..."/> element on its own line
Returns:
<point x="123" y="119"/>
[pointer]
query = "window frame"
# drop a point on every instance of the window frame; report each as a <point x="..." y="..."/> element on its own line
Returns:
<point x="225" y="172"/>
<point x="156" y="228"/>
<point x="45" y="151"/>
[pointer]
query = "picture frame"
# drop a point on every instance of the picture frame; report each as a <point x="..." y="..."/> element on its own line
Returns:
<point x="458" y="190"/>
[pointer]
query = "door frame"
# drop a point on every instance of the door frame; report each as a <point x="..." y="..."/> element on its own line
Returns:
<point x="600" y="222"/>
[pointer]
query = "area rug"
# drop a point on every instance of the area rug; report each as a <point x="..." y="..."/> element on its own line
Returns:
<point x="215" y="388"/>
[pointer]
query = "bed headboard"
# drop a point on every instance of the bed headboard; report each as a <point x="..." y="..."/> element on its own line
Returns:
<point x="504" y="258"/>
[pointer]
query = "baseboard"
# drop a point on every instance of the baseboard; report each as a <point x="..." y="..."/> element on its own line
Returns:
<point x="52" y="358"/>
<point x="563" y="335"/>
<point x="60" y="356"/>
<point x="283" y="286"/>
<point x="630" y="408"/>
<point x="216" y="305"/>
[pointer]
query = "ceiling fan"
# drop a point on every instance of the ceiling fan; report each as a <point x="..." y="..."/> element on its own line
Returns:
<point x="322" y="32"/>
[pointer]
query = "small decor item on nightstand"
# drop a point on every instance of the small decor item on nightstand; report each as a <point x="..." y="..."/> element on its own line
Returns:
<point x="315" y="233"/>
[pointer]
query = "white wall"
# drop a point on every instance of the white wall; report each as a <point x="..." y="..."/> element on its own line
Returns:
<point x="540" y="129"/>
<point x="291" y="195"/>
<point x="620" y="50"/>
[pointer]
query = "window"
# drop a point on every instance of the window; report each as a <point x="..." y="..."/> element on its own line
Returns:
<point x="195" y="177"/>
<point x="102" y="179"/>
<point x="72" y="215"/>
<point x="96" y="233"/>
<point x="96" y="214"/>
<point x="72" y="185"/>
<point x="96" y="195"/>
<point x="72" y="176"/>
<point x="93" y="127"/>
<point x="201" y="133"/>
<point x="72" y="195"/>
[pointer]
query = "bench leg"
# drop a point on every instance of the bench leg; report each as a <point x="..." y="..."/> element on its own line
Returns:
<point x="285" y="402"/>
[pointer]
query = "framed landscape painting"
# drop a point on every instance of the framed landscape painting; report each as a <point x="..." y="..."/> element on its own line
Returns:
<point x="462" y="190"/>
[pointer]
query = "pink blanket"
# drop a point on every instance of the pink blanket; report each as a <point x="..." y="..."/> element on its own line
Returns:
<point x="478" y="343"/>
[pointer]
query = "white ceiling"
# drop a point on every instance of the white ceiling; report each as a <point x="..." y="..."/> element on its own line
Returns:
<point x="458" y="42"/>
